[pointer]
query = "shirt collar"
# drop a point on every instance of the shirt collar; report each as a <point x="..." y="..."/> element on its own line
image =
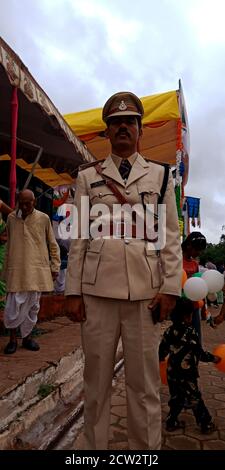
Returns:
<point x="117" y="160"/>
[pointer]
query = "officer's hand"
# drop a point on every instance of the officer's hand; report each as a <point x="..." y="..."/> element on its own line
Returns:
<point x="164" y="303"/>
<point x="217" y="359"/>
<point x="74" y="308"/>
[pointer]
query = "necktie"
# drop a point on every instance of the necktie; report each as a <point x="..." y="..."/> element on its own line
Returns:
<point x="124" y="169"/>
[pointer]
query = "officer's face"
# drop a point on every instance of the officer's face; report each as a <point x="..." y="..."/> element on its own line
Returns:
<point x="123" y="132"/>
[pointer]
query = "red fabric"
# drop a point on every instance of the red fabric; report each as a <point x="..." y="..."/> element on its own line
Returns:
<point x="155" y="124"/>
<point x="62" y="200"/>
<point x="87" y="137"/>
<point x="14" y="121"/>
<point x="179" y="135"/>
<point x="190" y="267"/>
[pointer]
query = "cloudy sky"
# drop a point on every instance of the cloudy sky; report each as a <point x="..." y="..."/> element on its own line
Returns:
<point x="82" y="51"/>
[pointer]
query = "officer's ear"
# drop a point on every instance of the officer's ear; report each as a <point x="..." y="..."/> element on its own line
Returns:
<point x="106" y="133"/>
<point x="140" y="128"/>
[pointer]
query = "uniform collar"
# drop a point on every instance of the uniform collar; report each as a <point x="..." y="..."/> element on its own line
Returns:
<point x="117" y="160"/>
<point x="139" y="168"/>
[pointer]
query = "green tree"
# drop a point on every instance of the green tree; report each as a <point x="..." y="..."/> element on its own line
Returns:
<point x="215" y="252"/>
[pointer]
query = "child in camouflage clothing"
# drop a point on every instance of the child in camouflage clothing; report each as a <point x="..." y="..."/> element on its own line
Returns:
<point x="181" y="342"/>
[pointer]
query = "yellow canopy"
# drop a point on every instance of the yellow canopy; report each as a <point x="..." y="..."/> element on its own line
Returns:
<point x="47" y="175"/>
<point x="161" y="132"/>
<point x="160" y="107"/>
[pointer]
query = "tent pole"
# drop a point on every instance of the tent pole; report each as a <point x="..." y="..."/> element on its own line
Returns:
<point x="29" y="145"/>
<point x="33" y="168"/>
<point x="14" y="122"/>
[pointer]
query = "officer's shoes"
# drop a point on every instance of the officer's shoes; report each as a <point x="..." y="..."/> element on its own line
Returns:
<point x="30" y="344"/>
<point x="208" y="428"/>
<point x="174" y="424"/>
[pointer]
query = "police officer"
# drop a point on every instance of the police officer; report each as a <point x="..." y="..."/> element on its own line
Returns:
<point x="115" y="282"/>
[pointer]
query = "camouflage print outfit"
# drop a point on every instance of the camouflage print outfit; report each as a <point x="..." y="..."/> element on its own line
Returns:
<point x="182" y="344"/>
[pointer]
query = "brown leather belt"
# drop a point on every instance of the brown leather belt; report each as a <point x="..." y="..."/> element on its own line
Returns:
<point x="122" y="200"/>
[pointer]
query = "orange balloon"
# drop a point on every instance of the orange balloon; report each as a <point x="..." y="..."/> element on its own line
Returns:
<point x="198" y="304"/>
<point x="220" y="351"/>
<point x="184" y="278"/>
<point x="163" y="368"/>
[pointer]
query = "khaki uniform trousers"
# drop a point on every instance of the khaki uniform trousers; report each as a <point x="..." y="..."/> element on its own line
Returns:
<point x="107" y="321"/>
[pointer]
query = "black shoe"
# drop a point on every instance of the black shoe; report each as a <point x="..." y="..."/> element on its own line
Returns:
<point x="11" y="347"/>
<point x="30" y="344"/>
<point x="187" y="404"/>
<point x="208" y="428"/>
<point x="173" y="425"/>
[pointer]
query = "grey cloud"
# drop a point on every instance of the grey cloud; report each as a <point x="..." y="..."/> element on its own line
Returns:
<point x="70" y="55"/>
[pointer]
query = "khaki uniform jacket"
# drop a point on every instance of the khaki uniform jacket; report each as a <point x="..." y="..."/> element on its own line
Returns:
<point x="32" y="253"/>
<point x="119" y="268"/>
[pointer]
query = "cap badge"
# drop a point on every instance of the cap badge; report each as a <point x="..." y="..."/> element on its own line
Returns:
<point x="122" y="106"/>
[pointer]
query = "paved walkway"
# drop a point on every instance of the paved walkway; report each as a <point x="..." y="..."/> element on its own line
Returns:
<point x="62" y="336"/>
<point x="57" y="339"/>
<point x="212" y="384"/>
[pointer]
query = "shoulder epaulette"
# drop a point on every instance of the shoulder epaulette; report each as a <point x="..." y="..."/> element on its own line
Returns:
<point x="87" y="165"/>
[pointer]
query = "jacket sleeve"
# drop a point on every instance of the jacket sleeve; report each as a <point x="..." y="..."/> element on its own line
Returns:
<point x="53" y="249"/>
<point x="202" y="355"/>
<point x="171" y="253"/>
<point x="78" y="244"/>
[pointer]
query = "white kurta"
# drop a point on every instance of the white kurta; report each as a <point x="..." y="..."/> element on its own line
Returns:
<point x="32" y="255"/>
<point x="21" y="310"/>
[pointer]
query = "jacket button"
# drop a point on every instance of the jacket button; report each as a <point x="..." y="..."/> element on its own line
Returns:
<point x="126" y="241"/>
<point x="127" y="191"/>
<point x="99" y="194"/>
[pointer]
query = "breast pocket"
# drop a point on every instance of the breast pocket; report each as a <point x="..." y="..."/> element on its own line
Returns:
<point x="149" y="194"/>
<point x="100" y="194"/>
<point x="92" y="260"/>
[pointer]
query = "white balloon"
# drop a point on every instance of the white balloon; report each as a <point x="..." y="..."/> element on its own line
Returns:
<point x="195" y="288"/>
<point x="214" y="280"/>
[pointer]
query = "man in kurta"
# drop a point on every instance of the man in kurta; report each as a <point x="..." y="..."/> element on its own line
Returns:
<point x="32" y="263"/>
<point x="116" y="281"/>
